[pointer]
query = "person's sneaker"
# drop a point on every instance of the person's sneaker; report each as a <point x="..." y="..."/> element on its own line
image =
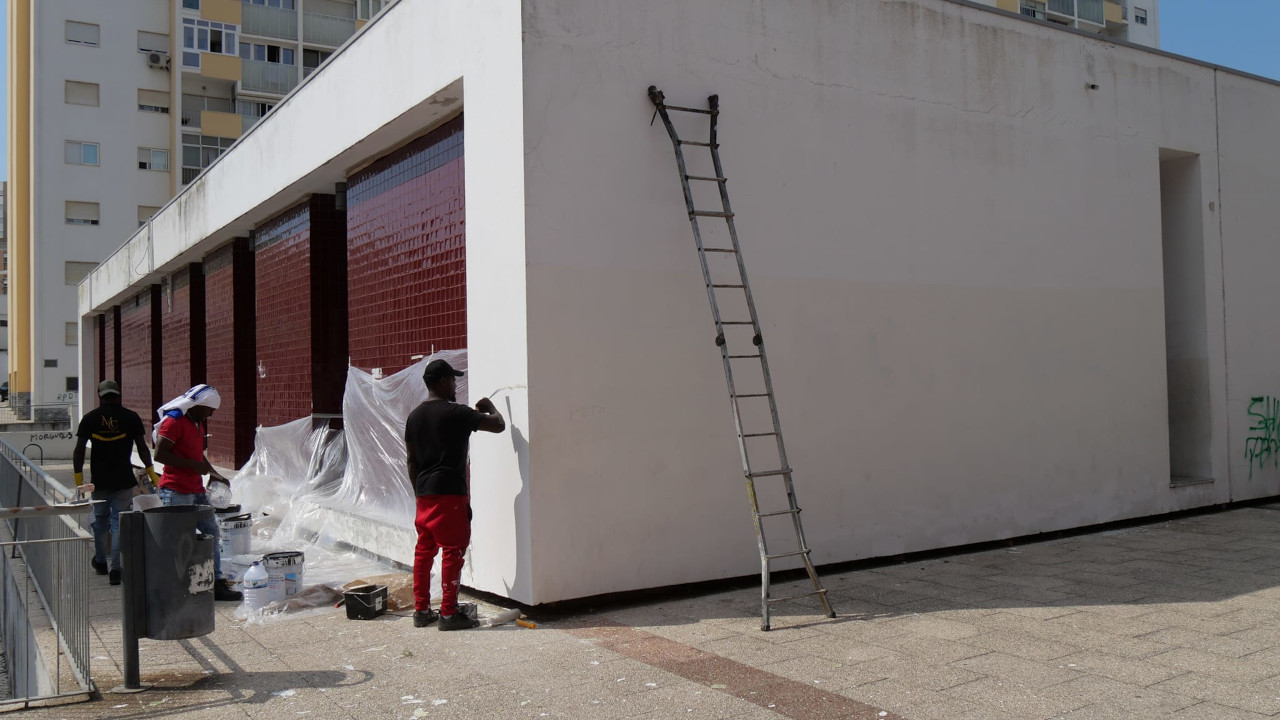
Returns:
<point x="423" y="618"/>
<point x="222" y="592"/>
<point x="457" y="621"/>
<point x="99" y="566"/>
<point x="114" y="577"/>
<point x="471" y="610"/>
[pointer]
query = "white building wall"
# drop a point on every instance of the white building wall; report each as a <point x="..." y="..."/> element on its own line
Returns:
<point x="955" y="244"/>
<point x="1149" y="34"/>
<point x="116" y="184"/>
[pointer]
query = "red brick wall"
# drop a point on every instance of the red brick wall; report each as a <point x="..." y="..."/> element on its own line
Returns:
<point x="99" y="356"/>
<point x="175" y="326"/>
<point x="135" y="356"/>
<point x="282" y="266"/>
<point x="231" y="363"/>
<point x="406" y="252"/>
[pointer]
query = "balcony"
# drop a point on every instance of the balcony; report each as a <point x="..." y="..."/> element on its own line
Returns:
<point x="326" y="29"/>
<point x="269" y="21"/>
<point x="1063" y="7"/>
<point x="266" y="77"/>
<point x="248" y="121"/>
<point x="189" y="174"/>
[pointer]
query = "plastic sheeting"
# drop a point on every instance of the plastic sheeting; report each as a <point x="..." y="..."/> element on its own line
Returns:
<point x="342" y="497"/>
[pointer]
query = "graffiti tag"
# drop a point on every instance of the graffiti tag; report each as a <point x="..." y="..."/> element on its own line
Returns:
<point x="38" y="437"/>
<point x="1263" y="443"/>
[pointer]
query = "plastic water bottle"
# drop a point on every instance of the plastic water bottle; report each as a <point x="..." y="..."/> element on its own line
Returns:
<point x="257" y="590"/>
<point x="219" y="495"/>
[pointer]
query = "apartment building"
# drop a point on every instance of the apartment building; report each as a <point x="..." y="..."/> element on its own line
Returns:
<point x="1134" y="21"/>
<point x="114" y="107"/>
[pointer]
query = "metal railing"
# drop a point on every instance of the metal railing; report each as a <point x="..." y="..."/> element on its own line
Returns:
<point x="45" y="584"/>
<point x="1091" y="11"/>
<point x="261" y="76"/>
<point x="269" y="21"/>
<point x="1063" y="7"/>
<point x="192" y="105"/>
<point x="189" y="174"/>
<point x="327" y="29"/>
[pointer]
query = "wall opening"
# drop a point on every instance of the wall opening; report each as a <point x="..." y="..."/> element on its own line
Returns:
<point x="1185" y="317"/>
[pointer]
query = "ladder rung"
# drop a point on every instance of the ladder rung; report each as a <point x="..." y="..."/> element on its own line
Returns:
<point x="723" y="250"/>
<point x="742" y="357"/>
<point x="727" y="285"/>
<point x="749" y="395"/>
<point x="768" y="473"/>
<point x="700" y="111"/>
<point x="738" y="322"/>
<point x="697" y="143"/>
<point x="712" y="213"/>
<point x="705" y="178"/>
<point x="780" y="512"/>
<point x="787" y="555"/>
<point x="797" y="597"/>
<point x="759" y="434"/>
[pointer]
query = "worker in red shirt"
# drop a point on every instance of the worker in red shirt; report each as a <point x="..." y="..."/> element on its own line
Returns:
<point x="180" y="446"/>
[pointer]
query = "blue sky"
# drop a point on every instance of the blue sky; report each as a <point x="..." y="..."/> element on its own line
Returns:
<point x="1239" y="34"/>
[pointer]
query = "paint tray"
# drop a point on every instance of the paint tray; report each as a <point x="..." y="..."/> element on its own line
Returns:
<point x="365" y="602"/>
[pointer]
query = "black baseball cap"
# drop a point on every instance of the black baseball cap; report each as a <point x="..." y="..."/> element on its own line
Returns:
<point x="437" y="369"/>
<point x="108" y="387"/>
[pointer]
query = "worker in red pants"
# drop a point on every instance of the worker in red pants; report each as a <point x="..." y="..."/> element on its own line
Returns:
<point x="436" y="437"/>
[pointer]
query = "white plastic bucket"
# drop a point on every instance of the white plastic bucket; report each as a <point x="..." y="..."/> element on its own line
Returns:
<point x="234" y="534"/>
<point x="285" y="570"/>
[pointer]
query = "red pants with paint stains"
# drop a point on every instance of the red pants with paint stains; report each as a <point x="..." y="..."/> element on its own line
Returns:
<point x="443" y="525"/>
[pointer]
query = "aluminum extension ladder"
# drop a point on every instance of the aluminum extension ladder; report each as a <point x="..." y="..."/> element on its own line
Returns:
<point x="741" y="296"/>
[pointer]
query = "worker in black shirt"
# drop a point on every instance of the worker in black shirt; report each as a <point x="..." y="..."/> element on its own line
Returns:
<point x="114" y="431"/>
<point x="436" y="437"/>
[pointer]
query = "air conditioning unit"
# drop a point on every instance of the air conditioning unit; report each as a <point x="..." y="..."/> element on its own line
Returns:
<point x="158" y="60"/>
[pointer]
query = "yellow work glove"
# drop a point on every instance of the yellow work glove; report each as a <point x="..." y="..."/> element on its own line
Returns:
<point x="79" y="479"/>
<point x="155" y="479"/>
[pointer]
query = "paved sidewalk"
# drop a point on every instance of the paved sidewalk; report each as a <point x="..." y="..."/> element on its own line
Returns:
<point x="1179" y="619"/>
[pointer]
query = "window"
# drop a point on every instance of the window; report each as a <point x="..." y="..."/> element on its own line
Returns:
<point x="145" y="213"/>
<point x="1140" y="16"/>
<point x="82" y="153"/>
<point x="81" y="93"/>
<point x="73" y="333"/>
<point x="267" y="53"/>
<point x="153" y="159"/>
<point x="152" y="42"/>
<point x="1033" y="9"/>
<point x="369" y="8"/>
<point x="153" y="101"/>
<point x="286" y="4"/>
<point x="82" y="33"/>
<point x="191" y="4"/>
<point x="311" y="60"/>
<point x="73" y="384"/>
<point x="252" y="108"/>
<point x="81" y="213"/>
<point x="206" y="36"/>
<point x="51" y="363"/>
<point x="76" y="271"/>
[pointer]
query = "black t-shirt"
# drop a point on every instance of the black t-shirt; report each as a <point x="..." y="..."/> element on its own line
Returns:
<point x="112" y="431"/>
<point x="437" y="436"/>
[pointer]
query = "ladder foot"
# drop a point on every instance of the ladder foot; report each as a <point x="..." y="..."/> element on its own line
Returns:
<point x="764" y="627"/>
<point x="832" y="614"/>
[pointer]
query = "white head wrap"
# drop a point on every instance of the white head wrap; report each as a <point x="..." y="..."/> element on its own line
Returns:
<point x="198" y="396"/>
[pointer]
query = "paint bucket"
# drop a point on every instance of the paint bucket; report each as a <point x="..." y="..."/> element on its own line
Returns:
<point x="285" y="570"/>
<point x="233" y="534"/>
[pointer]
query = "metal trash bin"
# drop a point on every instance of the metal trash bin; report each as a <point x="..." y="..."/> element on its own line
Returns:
<point x="178" y="569"/>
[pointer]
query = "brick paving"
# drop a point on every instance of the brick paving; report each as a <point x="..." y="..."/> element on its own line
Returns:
<point x="1177" y="619"/>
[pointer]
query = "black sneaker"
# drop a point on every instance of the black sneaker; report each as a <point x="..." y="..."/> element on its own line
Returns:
<point x="99" y="566"/>
<point x="114" y="577"/>
<point x="423" y="618"/>
<point x="457" y="621"/>
<point x="222" y="592"/>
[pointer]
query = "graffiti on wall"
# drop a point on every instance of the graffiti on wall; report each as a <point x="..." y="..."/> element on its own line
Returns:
<point x="1263" y="443"/>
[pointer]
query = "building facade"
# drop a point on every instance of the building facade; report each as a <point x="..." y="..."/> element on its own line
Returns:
<point x="114" y="108"/>
<point x="1001" y="270"/>
<point x="1134" y="21"/>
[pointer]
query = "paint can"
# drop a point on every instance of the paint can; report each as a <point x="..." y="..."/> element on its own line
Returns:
<point x="285" y="570"/>
<point x="234" y="534"/>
